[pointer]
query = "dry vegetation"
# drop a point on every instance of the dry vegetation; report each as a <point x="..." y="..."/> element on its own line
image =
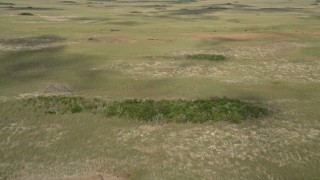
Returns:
<point x="116" y="89"/>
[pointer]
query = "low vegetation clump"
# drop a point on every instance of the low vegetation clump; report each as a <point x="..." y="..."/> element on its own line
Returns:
<point x="135" y="12"/>
<point x="184" y="1"/>
<point x="68" y="2"/>
<point x="197" y="111"/>
<point x="210" y="57"/>
<point x="62" y="104"/>
<point x="4" y="3"/>
<point x="26" y="14"/>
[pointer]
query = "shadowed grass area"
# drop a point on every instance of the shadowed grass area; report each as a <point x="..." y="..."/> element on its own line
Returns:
<point x="5" y="3"/>
<point x="31" y="41"/>
<point x="210" y="57"/>
<point x="181" y="111"/>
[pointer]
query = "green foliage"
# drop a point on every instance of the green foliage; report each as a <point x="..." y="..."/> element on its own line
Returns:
<point x="198" y="111"/>
<point x="61" y="104"/>
<point x="210" y="57"/>
<point x="26" y="14"/>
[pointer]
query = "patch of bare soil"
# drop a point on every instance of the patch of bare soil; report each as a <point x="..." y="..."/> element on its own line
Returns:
<point x="56" y="18"/>
<point x="143" y="133"/>
<point x="59" y="89"/>
<point x="16" y="43"/>
<point x="267" y="51"/>
<point x="149" y="128"/>
<point x="155" y="69"/>
<point x="24" y="47"/>
<point x="3" y="98"/>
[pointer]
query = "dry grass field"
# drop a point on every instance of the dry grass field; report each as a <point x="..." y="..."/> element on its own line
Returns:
<point x="264" y="53"/>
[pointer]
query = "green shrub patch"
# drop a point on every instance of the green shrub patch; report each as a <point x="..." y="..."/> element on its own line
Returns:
<point x="210" y="57"/>
<point x="198" y="111"/>
<point x="181" y="111"/>
<point x="26" y="14"/>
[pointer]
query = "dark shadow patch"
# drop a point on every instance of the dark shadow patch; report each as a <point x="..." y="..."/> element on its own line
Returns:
<point x="126" y="23"/>
<point x="30" y="66"/>
<point x="27" y="71"/>
<point x="27" y="66"/>
<point x="32" y="41"/>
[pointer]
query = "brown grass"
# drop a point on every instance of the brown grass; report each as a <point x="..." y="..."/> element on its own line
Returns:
<point x="240" y="37"/>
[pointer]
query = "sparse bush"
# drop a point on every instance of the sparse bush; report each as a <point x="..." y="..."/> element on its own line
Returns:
<point x="68" y="2"/>
<point x="210" y="57"/>
<point x="61" y="104"/>
<point x="26" y="14"/>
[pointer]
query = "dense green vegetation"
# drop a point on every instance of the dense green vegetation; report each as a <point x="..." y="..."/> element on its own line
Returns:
<point x="197" y="111"/>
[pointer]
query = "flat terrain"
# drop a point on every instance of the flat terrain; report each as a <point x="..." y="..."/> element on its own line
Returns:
<point x="138" y="49"/>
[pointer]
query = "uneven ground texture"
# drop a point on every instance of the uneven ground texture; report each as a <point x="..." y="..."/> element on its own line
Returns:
<point x="121" y="49"/>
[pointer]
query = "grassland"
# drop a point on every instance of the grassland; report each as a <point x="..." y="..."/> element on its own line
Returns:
<point x="119" y="50"/>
